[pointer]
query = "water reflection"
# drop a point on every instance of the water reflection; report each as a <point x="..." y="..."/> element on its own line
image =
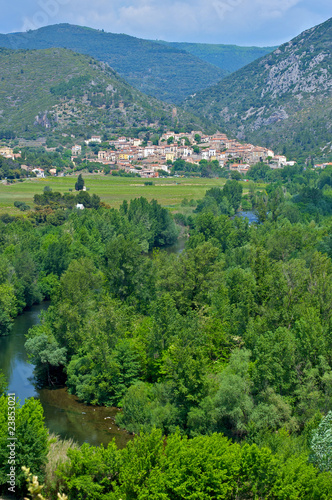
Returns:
<point x="64" y="414"/>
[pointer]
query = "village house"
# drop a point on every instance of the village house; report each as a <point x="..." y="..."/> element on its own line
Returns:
<point x="6" y="152"/>
<point x="76" y="150"/>
<point x="170" y="156"/>
<point x="184" y="151"/>
<point x="148" y="150"/>
<point x="39" y="172"/>
<point x="242" y="168"/>
<point x="94" y="138"/>
<point x="103" y="155"/>
<point x="280" y="160"/>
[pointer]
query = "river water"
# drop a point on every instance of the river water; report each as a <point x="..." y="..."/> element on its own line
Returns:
<point x="251" y="216"/>
<point x="64" y="414"/>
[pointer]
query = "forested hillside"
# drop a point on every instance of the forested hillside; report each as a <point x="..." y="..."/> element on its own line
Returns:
<point x="282" y="101"/>
<point x="56" y="88"/>
<point x="163" y="72"/>
<point x="227" y="57"/>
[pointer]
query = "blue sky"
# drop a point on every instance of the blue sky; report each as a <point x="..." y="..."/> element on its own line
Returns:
<point x="242" y="22"/>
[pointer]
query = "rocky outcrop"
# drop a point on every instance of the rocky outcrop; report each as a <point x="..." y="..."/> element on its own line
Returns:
<point x="278" y="97"/>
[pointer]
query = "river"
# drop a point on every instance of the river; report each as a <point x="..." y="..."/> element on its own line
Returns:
<point x="251" y="216"/>
<point x="64" y="414"/>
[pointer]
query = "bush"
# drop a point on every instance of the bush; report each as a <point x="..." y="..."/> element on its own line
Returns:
<point x="21" y="206"/>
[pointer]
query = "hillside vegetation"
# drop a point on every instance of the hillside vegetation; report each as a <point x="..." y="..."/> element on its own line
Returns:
<point x="282" y="100"/>
<point x="163" y="72"/>
<point x="57" y="88"/>
<point x="227" y="57"/>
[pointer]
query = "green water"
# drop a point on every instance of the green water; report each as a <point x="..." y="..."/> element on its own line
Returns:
<point x="64" y="414"/>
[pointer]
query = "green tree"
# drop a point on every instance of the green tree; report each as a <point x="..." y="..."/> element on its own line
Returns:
<point x="321" y="444"/>
<point x="8" y="307"/>
<point x="79" y="183"/>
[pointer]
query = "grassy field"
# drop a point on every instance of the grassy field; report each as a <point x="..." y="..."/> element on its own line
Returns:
<point x="112" y="190"/>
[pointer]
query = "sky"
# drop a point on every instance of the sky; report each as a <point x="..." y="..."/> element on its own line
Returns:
<point x="241" y="22"/>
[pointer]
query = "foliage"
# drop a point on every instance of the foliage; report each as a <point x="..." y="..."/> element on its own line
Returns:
<point x="79" y="184"/>
<point x="321" y="444"/>
<point x="226" y="200"/>
<point x="204" y="467"/>
<point x="8" y="308"/>
<point x="10" y="169"/>
<point x="55" y="201"/>
<point x="3" y="384"/>
<point x="31" y="443"/>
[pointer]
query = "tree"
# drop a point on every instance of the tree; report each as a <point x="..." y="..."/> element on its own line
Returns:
<point x="236" y="176"/>
<point x="46" y="354"/>
<point x="3" y="384"/>
<point x="321" y="444"/>
<point x="79" y="183"/>
<point x="8" y="308"/>
<point x="233" y="192"/>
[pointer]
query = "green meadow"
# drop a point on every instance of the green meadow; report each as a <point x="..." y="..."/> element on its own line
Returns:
<point x="112" y="190"/>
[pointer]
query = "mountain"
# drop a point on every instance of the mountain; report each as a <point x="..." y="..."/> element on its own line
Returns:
<point x="163" y="72"/>
<point x="66" y="91"/>
<point x="227" y="57"/>
<point x="282" y="100"/>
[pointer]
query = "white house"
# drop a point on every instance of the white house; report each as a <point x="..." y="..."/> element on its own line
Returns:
<point x="76" y="150"/>
<point x="39" y="172"/>
<point x="94" y="138"/>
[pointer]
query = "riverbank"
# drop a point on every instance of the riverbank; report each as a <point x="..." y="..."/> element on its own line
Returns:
<point x="64" y="414"/>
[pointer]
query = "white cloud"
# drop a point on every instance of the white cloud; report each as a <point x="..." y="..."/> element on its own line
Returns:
<point x="265" y="22"/>
<point x="275" y="8"/>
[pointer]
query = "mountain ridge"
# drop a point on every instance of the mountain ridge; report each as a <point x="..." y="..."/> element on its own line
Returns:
<point x="281" y="100"/>
<point x="163" y="72"/>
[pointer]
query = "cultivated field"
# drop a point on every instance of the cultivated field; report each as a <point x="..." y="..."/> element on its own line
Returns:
<point x="112" y="190"/>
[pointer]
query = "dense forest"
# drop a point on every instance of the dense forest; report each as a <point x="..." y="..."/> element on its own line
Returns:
<point x="224" y="348"/>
